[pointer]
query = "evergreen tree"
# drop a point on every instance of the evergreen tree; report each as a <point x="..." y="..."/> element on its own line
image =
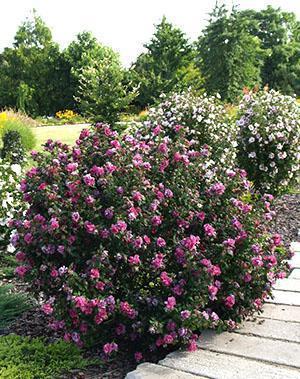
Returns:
<point x="164" y="64"/>
<point x="229" y="57"/>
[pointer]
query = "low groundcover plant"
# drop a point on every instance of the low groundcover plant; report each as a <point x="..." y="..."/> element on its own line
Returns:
<point x="137" y="243"/>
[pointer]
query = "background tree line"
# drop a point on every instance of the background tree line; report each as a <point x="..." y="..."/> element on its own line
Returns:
<point x="236" y="49"/>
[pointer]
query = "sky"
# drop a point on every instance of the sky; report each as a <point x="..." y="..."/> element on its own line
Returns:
<point x="124" y="25"/>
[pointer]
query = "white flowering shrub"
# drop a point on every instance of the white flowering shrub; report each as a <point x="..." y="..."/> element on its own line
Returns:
<point x="204" y="119"/>
<point x="269" y="140"/>
<point x="10" y="197"/>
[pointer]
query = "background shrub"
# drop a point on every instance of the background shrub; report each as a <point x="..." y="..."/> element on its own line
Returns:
<point x="205" y="120"/>
<point x="139" y="244"/>
<point x="269" y="140"/>
<point x="12" y="149"/>
<point x="14" y="124"/>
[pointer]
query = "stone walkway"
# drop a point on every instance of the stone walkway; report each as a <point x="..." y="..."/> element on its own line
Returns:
<point x="266" y="348"/>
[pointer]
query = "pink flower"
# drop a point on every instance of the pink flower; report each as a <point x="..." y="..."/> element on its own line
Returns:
<point x="94" y="273"/>
<point x="185" y="314"/>
<point x="54" y="224"/>
<point x="160" y="242"/>
<point x="163" y="148"/>
<point x="134" y="260"/>
<point x="156" y="220"/>
<point x="54" y="273"/>
<point x="213" y="290"/>
<point x="89" y="180"/>
<point x="138" y="356"/>
<point x="191" y="242"/>
<point x="47" y="308"/>
<point x="168" y="339"/>
<point x="20" y="256"/>
<point x="109" y="348"/>
<point x="127" y="310"/>
<point x="21" y="271"/>
<point x="214" y="270"/>
<point x="247" y="277"/>
<point x="166" y="280"/>
<point x="209" y="230"/>
<point x="100" y="286"/>
<point x="157" y="262"/>
<point x="192" y="346"/>
<point x="71" y="167"/>
<point x="217" y="189"/>
<point x="276" y="238"/>
<point x="28" y="238"/>
<point x="137" y="196"/>
<point x="156" y="130"/>
<point x="89" y="227"/>
<point x="230" y="301"/>
<point x="170" y="303"/>
<point x="257" y="261"/>
<point x="96" y="170"/>
<point x="75" y="217"/>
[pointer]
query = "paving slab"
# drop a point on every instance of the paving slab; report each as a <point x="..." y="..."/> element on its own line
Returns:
<point x="288" y="285"/>
<point x="295" y="261"/>
<point x="295" y="246"/>
<point x="280" y="312"/>
<point x="259" y="348"/>
<point x="223" y="366"/>
<point x="285" y="297"/>
<point x="274" y="329"/>
<point x="295" y="274"/>
<point x="152" y="371"/>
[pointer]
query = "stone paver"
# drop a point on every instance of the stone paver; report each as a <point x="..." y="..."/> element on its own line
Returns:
<point x="295" y="246"/>
<point x="273" y="351"/>
<point x="288" y="285"/>
<point x="274" y="329"/>
<point x="224" y="366"/>
<point x="268" y="347"/>
<point x="152" y="371"/>
<point x="295" y="274"/>
<point x="285" y="297"/>
<point x="280" y="312"/>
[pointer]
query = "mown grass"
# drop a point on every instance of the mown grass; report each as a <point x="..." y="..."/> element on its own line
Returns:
<point x="64" y="133"/>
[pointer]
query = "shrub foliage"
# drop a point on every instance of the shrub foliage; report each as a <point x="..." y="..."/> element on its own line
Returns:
<point x="135" y="242"/>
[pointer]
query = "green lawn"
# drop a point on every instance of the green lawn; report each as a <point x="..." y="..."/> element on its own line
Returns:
<point x="65" y="133"/>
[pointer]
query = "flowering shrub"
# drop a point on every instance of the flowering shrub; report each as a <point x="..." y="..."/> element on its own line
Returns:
<point x="139" y="242"/>
<point x="204" y="116"/>
<point x="10" y="197"/>
<point x="269" y="139"/>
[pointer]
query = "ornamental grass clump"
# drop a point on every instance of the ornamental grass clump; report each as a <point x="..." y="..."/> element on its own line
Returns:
<point x="139" y="245"/>
<point x="269" y="140"/>
<point x="205" y="119"/>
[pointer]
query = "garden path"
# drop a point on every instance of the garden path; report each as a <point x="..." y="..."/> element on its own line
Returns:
<point x="267" y="346"/>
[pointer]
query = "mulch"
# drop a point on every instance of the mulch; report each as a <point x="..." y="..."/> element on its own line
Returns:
<point x="287" y="219"/>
